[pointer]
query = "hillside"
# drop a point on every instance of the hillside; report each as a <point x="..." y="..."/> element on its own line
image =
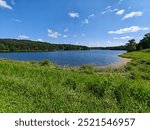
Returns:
<point x="45" y="87"/>
<point x="110" y="48"/>
<point x="14" y="45"/>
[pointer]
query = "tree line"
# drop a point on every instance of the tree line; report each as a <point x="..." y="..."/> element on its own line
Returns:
<point x="109" y="48"/>
<point x="143" y="44"/>
<point x="14" y="45"/>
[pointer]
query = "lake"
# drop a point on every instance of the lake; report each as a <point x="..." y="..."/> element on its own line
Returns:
<point x="70" y="58"/>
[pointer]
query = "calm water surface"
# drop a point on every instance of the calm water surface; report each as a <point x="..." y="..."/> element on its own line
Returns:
<point x="70" y="58"/>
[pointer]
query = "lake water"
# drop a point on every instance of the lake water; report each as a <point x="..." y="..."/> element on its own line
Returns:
<point x="70" y="58"/>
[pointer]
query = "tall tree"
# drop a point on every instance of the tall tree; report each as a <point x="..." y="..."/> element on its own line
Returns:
<point x="145" y="42"/>
<point x="131" y="45"/>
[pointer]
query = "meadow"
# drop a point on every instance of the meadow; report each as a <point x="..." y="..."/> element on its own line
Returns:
<point x="47" y="88"/>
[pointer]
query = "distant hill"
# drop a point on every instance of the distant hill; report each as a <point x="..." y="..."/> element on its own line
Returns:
<point x="109" y="48"/>
<point x="14" y="45"/>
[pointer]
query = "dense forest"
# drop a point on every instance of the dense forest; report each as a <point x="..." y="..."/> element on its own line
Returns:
<point x="14" y="45"/>
<point x="110" y="48"/>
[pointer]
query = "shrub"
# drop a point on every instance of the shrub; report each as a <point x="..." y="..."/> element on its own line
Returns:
<point x="44" y="63"/>
<point x="70" y="83"/>
<point x="96" y="89"/>
<point x="89" y="69"/>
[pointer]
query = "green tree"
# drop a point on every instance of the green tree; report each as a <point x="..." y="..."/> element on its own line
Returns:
<point x="131" y="45"/>
<point x="2" y="47"/>
<point x="145" y="42"/>
<point x="14" y="45"/>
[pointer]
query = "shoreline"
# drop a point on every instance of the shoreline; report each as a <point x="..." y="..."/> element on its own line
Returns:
<point x="124" y="61"/>
<point x="116" y="65"/>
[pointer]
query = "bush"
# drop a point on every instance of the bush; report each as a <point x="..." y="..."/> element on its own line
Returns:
<point x="89" y="69"/>
<point x="70" y="83"/>
<point x="44" y="63"/>
<point x="96" y="89"/>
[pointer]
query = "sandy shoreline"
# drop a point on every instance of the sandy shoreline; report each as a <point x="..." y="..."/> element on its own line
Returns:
<point x="121" y="63"/>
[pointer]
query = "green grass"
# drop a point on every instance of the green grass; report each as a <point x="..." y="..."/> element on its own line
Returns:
<point x="45" y="87"/>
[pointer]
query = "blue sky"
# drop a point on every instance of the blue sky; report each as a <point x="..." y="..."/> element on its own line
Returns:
<point x="84" y="22"/>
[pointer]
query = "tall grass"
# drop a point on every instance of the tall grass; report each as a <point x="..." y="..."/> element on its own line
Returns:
<point x="44" y="87"/>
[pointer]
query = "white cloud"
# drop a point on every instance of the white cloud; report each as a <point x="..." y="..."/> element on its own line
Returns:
<point x="132" y="14"/>
<point x="108" y="42"/>
<point x="53" y="34"/>
<point x="23" y="37"/>
<point x="123" y="38"/>
<point x="129" y="30"/>
<point x="86" y="21"/>
<point x="40" y="40"/>
<point x="3" y="4"/>
<point x="120" y="12"/>
<point x="17" y="20"/>
<point x="73" y="14"/>
<point x="90" y="16"/>
<point x="109" y="10"/>
<point x="104" y="12"/>
<point x="104" y="44"/>
<point x="66" y="30"/>
<point x="108" y="7"/>
<point x="65" y="36"/>
<point x="115" y="9"/>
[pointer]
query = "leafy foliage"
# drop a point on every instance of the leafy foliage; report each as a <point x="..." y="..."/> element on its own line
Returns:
<point x="110" y="48"/>
<point x="131" y="45"/>
<point x="13" y="45"/>
<point x="87" y="68"/>
<point x="145" y="42"/>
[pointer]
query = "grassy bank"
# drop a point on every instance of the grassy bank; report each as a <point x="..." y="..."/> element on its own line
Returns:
<point x="45" y="87"/>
